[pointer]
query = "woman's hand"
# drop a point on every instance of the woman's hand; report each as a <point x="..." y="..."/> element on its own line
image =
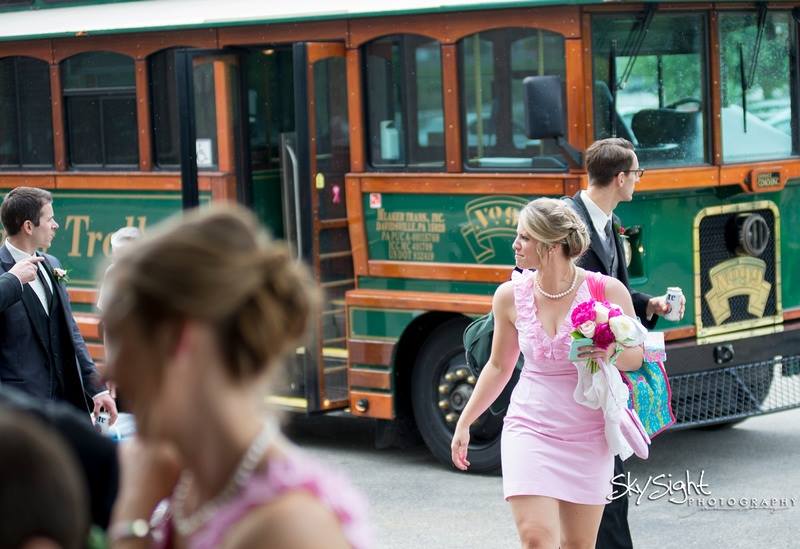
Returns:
<point x="459" y="446"/>
<point x="588" y="352"/>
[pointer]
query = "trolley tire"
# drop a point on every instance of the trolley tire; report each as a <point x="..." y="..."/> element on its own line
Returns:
<point x="444" y="351"/>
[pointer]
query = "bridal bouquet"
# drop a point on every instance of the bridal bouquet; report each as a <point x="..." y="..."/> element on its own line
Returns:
<point x="605" y="324"/>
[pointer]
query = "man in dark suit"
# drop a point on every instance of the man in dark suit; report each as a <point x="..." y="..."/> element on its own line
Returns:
<point x="42" y="352"/>
<point x="613" y="170"/>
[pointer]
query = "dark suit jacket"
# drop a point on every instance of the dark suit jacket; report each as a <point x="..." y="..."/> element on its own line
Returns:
<point x="25" y="359"/>
<point x="596" y="259"/>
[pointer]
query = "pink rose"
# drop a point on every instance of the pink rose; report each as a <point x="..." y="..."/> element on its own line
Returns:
<point x="603" y="336"/>
<point x="614" y="311"/>
<point x="583" y="312"/>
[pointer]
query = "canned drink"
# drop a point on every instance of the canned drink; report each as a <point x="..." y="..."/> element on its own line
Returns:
<point x="101" y="422"/>
<point x="674" y="296"/>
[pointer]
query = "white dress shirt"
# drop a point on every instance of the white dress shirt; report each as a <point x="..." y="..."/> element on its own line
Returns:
<point x="36" y="284"/>
<point x="599" y="218"/>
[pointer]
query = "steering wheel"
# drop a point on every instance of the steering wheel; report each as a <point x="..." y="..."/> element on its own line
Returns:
<point x="686" y="101"/>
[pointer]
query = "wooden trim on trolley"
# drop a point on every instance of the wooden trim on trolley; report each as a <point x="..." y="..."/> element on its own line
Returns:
<point x="57" y="105"/>
<point x="732" y="174"/>
<point x="134" y="45"/>
<point x="38" y="49"/>
<point x="449" y="28"/>
<point x="143" y="115"/>
<point x="419" y="301"/>
<point x="322" y="51"/>
<point x="226" y="159"/>
<point x="223" y="188"/>
<point x="439" y="271"/>
<point x="355" y="111"/>
<point x="106" y="181"/>
<point x="716" y="89"/>
<point x="82" y="295"/>
<point x="679" y="178"/>
<point x="452" y="117"/>
<point x="89" y="325"/>
<point x="357" y="229"/>
<point x="791" y="314"/>
<point x="680" y="333"/>
<point x="358" y="377"/>
<point x="96" y="350"/>
<point x="380" y="405"/>
<point x="588" y="79"/>
<point x="282" y="33"/>
<point x="370" y="352"/>
<point x="465" y="183"/>
<point x="576" y="117"/>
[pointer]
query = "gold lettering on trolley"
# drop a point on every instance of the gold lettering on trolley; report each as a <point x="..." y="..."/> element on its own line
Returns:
<point x="410" y="236"/>
<point x="487" y="218"/>
<point x="85" y="240"/>
<point x="735" y="277"/>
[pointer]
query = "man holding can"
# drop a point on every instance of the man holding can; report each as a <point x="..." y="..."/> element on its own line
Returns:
<point x="613" y="170"/>
<point x="42" y="352"/>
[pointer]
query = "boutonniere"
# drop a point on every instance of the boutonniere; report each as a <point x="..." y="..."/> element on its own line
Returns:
<point x="620" y="230"/>
<point x="62" y="275"/>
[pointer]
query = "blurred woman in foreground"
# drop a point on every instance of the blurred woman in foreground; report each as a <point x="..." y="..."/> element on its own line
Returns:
<point x="199" y="314"/>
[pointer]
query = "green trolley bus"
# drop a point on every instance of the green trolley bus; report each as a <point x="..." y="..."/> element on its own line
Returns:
<point x="388" y="147"/>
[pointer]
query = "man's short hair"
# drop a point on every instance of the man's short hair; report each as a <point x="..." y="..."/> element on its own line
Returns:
<point x="42" y="494"/>
<point x="23" y="204"/>
<point x="606" y="158"/>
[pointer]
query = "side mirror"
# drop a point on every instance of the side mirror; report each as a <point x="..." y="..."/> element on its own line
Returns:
<point x="545" y="114"/>
<point x="544" y="107"/>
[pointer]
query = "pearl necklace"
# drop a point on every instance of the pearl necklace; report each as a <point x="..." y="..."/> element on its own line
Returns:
<point x="558" y="295"/>
<point x="186" y="525"/>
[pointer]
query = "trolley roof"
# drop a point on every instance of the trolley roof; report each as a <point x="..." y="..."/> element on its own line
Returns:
<point x="111" y="17"/>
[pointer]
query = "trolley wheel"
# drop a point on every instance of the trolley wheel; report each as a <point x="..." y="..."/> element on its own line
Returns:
<point x="441" y="385"/>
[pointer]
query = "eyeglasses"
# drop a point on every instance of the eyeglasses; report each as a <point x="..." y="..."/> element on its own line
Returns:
<point x="639" y="172"/>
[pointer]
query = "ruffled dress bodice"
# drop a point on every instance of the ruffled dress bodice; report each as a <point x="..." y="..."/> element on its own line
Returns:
<point x="542" y="353"/>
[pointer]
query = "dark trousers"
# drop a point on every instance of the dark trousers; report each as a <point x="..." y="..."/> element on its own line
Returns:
<point x="614" y="531"/>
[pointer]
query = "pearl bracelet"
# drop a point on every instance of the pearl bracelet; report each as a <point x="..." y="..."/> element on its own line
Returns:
<point x="129" y="529"/>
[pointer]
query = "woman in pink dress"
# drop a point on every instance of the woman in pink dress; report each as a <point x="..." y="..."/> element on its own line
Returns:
<point x="557" y="466"/>
<point x="198" y="314"/>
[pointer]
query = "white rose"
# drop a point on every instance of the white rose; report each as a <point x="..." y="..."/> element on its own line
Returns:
<point x="627" y="331"/>
<point x="587" y="328"/>
<point x="601" y="313"/>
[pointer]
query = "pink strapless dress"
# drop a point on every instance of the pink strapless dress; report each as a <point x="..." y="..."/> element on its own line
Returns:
<point x="551" y="445"/>
<point x="294" y="471"/>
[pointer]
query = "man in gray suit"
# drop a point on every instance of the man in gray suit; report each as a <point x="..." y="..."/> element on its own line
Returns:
<point x="42" y="352"/>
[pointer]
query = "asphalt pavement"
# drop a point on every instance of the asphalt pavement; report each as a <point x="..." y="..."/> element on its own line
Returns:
<point x="728" y="489"/>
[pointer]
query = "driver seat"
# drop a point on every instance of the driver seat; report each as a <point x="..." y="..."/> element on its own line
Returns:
<point x="657" y="128"/>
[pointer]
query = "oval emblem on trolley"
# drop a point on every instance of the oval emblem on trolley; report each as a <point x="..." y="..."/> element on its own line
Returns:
<point x="753" y="234"/>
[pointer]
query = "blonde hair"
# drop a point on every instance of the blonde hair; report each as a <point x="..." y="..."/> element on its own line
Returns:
<point x="553" y="223"/>
<point x="218" y="266"/>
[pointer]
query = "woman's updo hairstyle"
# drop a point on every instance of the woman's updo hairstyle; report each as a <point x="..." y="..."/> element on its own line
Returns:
<point x="553" y="223"/>
<point x="216" y="265"/>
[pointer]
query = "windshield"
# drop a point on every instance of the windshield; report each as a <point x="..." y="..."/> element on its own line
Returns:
<point x="757" y="126"/>
<point x="659" y="87"/>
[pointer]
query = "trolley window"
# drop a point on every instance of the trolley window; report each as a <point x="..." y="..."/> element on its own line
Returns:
<point x="26" y="140"/>
<point x="492" y="67"/>
<point x="164" y="100"/>
<point x="758" y="79"/>
<point x="403" y="80"/>
<point x="650" y="85"/>
<point x="100" y="100"/>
